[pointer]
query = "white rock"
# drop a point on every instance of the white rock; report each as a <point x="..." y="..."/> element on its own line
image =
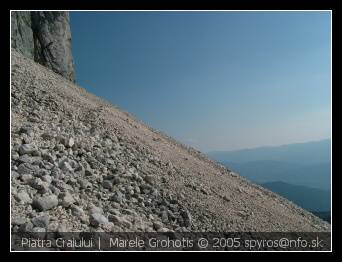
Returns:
<point x="65" y="166"/>
<point x="70" y="142"/>
<point x="97" y="219"/>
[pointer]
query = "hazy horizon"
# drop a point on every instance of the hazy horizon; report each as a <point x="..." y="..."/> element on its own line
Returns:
<point x="270" y="146"/>
<point x="212" y="80"/>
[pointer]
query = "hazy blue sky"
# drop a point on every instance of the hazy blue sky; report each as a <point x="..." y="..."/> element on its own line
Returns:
<point x="214" y="80"/>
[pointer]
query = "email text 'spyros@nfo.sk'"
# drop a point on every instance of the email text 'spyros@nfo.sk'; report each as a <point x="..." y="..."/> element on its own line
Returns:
<point x="237" y="243"/>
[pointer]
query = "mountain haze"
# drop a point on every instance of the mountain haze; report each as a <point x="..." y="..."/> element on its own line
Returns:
<point x="299" y="172"/>
<point x="315" y="152"/>
<point x="305" y="164"/>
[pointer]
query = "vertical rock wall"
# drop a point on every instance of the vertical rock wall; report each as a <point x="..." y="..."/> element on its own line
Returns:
<point x="45" y="37"/>
<point x="22" y="35"/>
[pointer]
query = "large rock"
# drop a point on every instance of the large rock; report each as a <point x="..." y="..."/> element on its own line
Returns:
<point x="45" y="203"/>
<point x="46" y="38"/>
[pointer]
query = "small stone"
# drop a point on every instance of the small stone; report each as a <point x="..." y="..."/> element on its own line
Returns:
<point x="70" y="142"/>
<point x="15" y="155"/>
<point x="45" y="203"/>
<point x="25" y="168"/>
<point x="26" y="139"/>
<point x="47" y="136"/>
<point x="40" y="185"/>
<point x="187" y="218"/>
<point x="27" y="227"/>
<point x="121" y="221"/>
<point x="204" y="191"/>
<point x="42" y="221"/>
<point x="95" y="209"/>
<point x="26" y="178"/>
<point x="47" y="179"/>
<point x="36" y="153"/>
<point x="164" y="229"/>
<point x="107" y="184"/>
<point x="110" y="162"/>
<point x="62" y="228"/>
<point x="97" y="219"/>
<point x="26" y="159"/>
<point x="106" y="142"/>
<point x="116" y="180"/>
<point x="116" y="205"/>
<point x="23" y="197"/>
<point x="83" y="183"/>
<point x="117" y="197"/>
<point x="26" y="149"/>
<point x="114" y="138"/>
<point x="226" y="198"/>
<point x="149" y="179"/>
<point x="52" y="227"/>
<point x="129" y="212"/>
<point x="60" y="148"/>
<point x="67" y="142"/>
<point x="15" y="174"/>
<point x="80" y="169"/>
<point x="157" y="225"/>
<point x="77" y="211"/>
<point x="38" y="230"/>
<point x="18" y="221"/>
<point x="93" y="131"/>
<point x="164" y="216"/>
<point x="66" y="199"/>
<point x="65" y="166"/>
<point x="26" y="130"/>
<point x="108" y="227"/>
<point x="48" y="157"/>
<point x="88" y="172"/>
<point x="114" y="211"/>
<point x="233" y="174"/>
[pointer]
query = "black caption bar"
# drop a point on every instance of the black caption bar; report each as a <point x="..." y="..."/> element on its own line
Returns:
<point x="171" y="241"/>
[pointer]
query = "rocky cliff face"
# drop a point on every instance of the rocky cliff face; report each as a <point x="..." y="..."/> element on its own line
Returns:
<point x="46" y="38"/>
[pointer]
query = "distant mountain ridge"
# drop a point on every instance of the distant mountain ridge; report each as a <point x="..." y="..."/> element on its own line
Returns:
<point x="298" y="172"/>
<point x="301" y="153"/>
<point x="315" y="175"/>
<point x="306" y="164"/>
